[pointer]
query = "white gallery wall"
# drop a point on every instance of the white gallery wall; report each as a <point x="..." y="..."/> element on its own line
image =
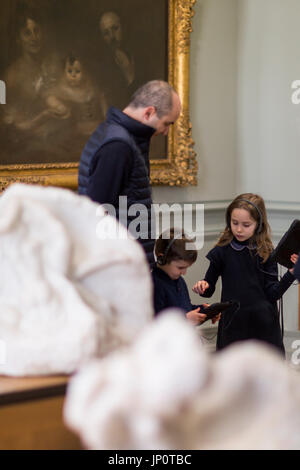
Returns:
<point x="268" y="123"/>
<point x="212" y="103"/>
<point x="245" y="55"/>
<point x="268" y="137"/>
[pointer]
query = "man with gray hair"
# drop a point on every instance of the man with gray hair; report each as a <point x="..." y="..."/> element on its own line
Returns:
<point x="115" y="160"/>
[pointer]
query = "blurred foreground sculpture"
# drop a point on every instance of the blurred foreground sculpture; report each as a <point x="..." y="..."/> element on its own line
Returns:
<point x="166" y="392"/>
<point x="68" y="281"/>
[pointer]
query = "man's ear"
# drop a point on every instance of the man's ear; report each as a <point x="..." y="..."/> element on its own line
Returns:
<point x="149" y="112"/>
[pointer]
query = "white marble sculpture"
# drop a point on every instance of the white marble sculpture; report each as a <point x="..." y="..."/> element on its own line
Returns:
<point x="167" y="392"/>
<point x="73" y="285"/>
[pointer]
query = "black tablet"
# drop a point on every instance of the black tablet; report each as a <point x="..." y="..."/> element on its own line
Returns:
<point x="289" y="244"/>
<point x="214" y="309"/>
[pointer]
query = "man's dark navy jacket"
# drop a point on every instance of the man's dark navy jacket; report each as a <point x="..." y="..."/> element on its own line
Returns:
<point x="115" y="162"/>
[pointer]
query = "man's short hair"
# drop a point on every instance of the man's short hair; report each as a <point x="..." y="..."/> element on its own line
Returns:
<point x="155" y="93"/>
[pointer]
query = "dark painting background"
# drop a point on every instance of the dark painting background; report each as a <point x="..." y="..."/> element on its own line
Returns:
<point x="29" y="132"/>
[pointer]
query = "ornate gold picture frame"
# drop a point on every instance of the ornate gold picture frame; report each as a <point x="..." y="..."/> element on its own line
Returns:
<point x="179" y="167"/>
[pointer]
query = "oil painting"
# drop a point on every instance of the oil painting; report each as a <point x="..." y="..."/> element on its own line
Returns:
<point x="64" y="63"/>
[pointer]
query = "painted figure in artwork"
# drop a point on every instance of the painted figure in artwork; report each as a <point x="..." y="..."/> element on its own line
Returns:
<point x="117" y="61"/>
<point x="76" y="99"/>
<point x="26" y="78"/>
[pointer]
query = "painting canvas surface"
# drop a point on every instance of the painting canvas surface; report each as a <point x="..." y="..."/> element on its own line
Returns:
<point x="64" y="62"/>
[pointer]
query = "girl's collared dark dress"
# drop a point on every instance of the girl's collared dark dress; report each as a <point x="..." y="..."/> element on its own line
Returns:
<point x="255" y="286"/>
<point x="170" y="293"/>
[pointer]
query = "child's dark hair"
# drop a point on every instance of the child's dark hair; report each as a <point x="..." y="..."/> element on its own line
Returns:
<point x="71" y="58"/>
<point x="168" y="251"/>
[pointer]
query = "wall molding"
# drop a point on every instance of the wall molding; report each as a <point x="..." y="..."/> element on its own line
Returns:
<point x="280" y="216"/>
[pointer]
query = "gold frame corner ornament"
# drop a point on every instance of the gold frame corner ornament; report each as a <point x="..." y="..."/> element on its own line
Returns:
<point x="180" y="166"/>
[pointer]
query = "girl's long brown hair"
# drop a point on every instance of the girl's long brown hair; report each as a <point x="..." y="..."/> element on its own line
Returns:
<point x="262" y="240"/>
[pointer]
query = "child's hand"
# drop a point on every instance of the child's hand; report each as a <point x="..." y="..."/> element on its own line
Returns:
<point x="200" y="287"/>
<point x="216" y="317"/>
<point x="294" y="259"/>
<point x="195" y="317"/>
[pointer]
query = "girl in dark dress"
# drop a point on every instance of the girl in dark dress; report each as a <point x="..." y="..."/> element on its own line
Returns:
<point x="241" y="258"/>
